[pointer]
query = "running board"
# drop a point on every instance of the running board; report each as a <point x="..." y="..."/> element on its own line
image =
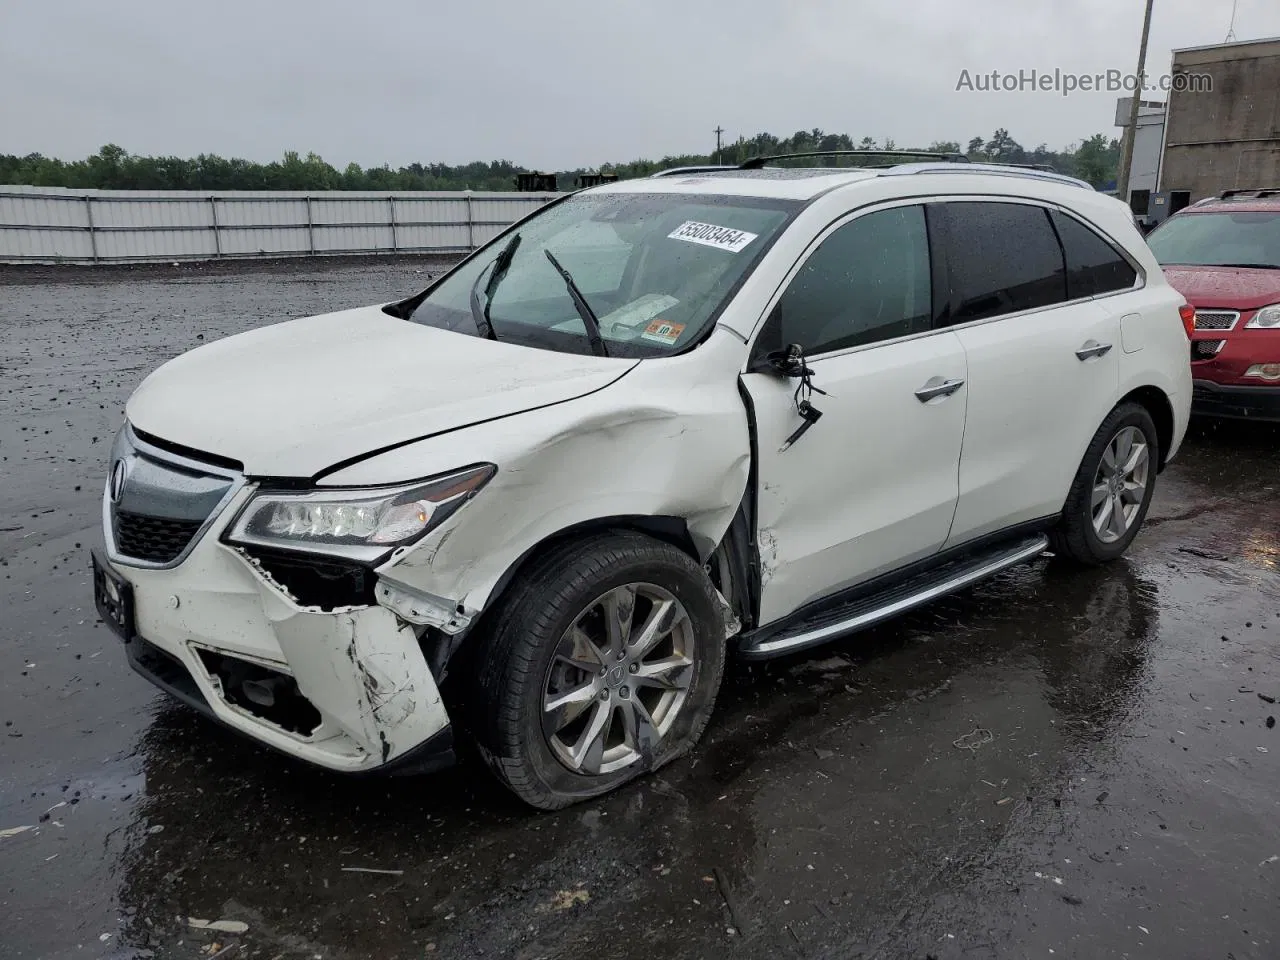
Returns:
<point x="866" y="611"/>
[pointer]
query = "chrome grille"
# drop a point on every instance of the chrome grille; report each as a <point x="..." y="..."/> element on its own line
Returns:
<point x="158" y="502"/>
<point x="1216" y="319"/>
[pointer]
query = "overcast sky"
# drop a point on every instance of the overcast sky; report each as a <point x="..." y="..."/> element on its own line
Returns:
<point x="560" y="83"/>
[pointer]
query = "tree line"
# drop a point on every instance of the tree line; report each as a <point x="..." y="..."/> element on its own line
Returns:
<point x="114" y="168"/>
<point x="1095" y="159"/>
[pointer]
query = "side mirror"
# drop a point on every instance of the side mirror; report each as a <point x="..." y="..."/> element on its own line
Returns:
<point x="789" y="362"/>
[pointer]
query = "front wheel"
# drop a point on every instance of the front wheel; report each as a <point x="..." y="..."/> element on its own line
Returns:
<point x="603" y="663"/>
<point x="1112" y="489"/>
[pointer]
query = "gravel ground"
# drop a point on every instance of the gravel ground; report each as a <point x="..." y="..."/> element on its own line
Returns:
<point x="1126" y="804"/>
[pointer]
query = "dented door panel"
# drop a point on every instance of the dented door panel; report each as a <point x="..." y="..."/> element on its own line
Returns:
<point x="870" y="487"/>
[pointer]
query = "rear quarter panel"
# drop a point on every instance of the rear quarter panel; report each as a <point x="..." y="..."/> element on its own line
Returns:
<point x="1154" y="350"/>
<point x="1152" y="325"/>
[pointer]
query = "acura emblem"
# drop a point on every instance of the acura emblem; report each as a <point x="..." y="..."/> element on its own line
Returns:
<point x="116" y="487"/>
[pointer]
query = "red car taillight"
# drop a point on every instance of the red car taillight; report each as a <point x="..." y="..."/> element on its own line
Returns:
<point x="1188" y="314"/>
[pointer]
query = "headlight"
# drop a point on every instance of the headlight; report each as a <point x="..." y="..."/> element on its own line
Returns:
<point x="1268" y="318"/>
<point x="360" y="523"/>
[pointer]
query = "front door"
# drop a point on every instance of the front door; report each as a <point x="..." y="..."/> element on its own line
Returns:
<point x="872" y="484"/>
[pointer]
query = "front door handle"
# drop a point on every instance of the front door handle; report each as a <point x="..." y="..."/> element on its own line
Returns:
<point x="938" y="387"/>
<point x="1092" y="349"/>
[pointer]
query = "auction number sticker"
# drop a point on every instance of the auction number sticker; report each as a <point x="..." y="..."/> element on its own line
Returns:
<point x="663" y="331"/>
<point x="710" y="235"/>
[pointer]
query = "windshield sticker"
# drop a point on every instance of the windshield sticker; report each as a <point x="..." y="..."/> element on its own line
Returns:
<point x="663" y="331"/>
<point x="709" y="235"/>
<point x="637" y="314"/>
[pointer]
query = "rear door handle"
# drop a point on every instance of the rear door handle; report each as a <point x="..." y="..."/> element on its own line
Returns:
<point x="1092" y="349"/>
<point x="937" y="387"/>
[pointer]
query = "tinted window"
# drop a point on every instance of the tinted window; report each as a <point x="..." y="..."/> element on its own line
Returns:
<point x="868" y="281"/>
<point x="1002" y="258"/>
<point x="1093" y="265"/>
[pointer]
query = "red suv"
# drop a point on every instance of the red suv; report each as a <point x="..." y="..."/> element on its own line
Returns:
<point x="1223" y="255"/>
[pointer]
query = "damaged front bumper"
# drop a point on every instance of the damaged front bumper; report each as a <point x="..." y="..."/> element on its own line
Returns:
<point x="348" y="689"/>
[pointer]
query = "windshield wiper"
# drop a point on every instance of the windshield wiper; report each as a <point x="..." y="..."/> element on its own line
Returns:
<point x="1250" y="266"/>
<point x="480" y="301"/>
<point x="584" y="309"/>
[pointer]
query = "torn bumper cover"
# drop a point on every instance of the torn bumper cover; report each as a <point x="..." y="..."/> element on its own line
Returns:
<point x="347" y="689"/>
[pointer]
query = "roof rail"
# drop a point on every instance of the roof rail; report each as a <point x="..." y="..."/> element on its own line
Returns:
<point x="1252" y="193"/>
<point x="1000" y="169"/>
<point x="679" y="171"/>
<point x="755" y="163"/>
<point x="1047" y="168"/>
<point x="934" y="163"/>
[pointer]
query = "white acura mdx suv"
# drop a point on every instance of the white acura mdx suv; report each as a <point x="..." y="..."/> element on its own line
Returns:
<point x="655" y="423"/>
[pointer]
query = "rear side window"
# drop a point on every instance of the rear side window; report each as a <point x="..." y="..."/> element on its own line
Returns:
<point x="1094" y="266"/>
<point x="868" y="281"/>
<point x="1001" y="258"/>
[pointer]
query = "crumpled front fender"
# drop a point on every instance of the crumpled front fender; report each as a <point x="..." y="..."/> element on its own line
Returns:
<point x="669" y="440"/>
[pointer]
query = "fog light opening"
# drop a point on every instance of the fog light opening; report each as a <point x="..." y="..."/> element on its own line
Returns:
<point x="269" y="695"/>
<point x="1264" y="371"/>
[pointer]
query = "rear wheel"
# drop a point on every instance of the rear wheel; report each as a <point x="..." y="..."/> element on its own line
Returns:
<point x="1112" y="489"/>
<point x="603" y="663"/>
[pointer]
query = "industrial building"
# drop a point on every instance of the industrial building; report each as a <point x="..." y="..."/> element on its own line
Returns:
<point x="1214" y="135"/>
<point x="1148" y="148"/>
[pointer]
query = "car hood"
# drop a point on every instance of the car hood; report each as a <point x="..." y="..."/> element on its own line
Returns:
<point x="1236" y="288"/>
<point x="291" y="399"/>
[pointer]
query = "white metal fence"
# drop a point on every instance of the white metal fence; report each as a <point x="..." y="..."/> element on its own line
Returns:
<point x="56" y="225"/>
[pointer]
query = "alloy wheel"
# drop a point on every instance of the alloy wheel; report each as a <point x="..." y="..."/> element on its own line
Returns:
<point x="1120" y="485"/>
<point x="618" y="679"/>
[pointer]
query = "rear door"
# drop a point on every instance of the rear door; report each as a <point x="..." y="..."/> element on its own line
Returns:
<point x="872" y="484"/>
<point x="1043" y="350"/>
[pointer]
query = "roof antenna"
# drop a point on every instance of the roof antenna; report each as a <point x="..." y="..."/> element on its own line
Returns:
<point x="1231" y="27"/>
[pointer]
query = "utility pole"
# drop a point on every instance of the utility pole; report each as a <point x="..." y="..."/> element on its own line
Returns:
<point x="719" y="152"/>
<point x="1131" y="131"/>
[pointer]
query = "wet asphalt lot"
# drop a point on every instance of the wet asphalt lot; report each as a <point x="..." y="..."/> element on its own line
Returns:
<point x="1058" y="763"/>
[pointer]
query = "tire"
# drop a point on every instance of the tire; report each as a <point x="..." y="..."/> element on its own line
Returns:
<point x="528" y="660"/>
<point x="1077" y="537"/>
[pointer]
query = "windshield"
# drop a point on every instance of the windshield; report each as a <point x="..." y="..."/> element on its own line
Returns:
<point x="654" y="269"/>
<point x="1218" y="240"/>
